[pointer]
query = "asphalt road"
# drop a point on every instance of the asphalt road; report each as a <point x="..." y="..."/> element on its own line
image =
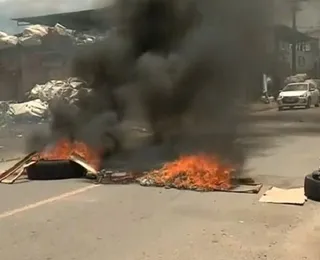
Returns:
<point x="73" y="220"/>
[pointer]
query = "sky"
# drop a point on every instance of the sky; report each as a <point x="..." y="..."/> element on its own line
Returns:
<point x="308" y="17"/>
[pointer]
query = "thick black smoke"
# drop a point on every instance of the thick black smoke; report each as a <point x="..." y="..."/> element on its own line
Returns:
<point x="180" y="71"/>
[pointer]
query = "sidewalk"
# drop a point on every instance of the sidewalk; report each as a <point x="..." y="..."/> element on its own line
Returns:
<point x="259" y="107"/>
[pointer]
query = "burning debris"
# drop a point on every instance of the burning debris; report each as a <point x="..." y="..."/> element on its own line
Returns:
<point x="194" y="172"/>
<point x="63" y="160"/>
<point x="181" y="70"/>
<point x="64" y="150"/>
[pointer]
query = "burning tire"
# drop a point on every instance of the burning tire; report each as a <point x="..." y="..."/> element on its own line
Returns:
<point x="55" y="170"/>
<point x="312" y="186"/>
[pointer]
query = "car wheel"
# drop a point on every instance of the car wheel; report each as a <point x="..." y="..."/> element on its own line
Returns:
<point x="280" y="108"/>
<point x="312" y="186"/>
<point x="308" y="103"/>
<point x="317" y="104"/>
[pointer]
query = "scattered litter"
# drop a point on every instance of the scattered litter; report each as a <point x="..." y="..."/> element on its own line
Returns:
<point x="293" y="196"/>
<point x="117" y="177"/>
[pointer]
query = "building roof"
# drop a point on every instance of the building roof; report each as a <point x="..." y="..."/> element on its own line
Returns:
<point x="289" y="35"/>
<point x="80" y="20"/>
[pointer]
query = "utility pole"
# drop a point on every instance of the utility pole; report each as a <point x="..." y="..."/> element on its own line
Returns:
<point x="294" y="40"/>
<point x="295" y="7"/>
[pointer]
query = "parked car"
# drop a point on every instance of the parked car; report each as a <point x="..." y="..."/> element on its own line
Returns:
<point x="299" y="94"/>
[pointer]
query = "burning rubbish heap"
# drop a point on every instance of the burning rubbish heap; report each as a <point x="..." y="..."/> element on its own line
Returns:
<point x="196" y="172"/>
<point x="63" y="160"/>
<point x="182" y="71"/>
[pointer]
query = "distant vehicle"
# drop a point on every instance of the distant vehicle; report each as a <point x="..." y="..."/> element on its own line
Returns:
<point x="299" y="94"/>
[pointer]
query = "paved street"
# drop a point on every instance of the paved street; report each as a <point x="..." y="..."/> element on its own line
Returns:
<point x="71" y="219"/>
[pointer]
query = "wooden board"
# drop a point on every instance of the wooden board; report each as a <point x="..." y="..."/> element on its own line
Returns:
<point x="15" y="169"/>
<point x="84" y="164"/>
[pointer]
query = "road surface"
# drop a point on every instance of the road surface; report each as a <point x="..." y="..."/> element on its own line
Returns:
<point x="72" y="219"/>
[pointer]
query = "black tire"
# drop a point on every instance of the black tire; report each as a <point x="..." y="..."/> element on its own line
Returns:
<point x="317" y="104"/>
<point x="312" y="186"/>
<point x="55" y="170"/>
<point x="280" y="108"/>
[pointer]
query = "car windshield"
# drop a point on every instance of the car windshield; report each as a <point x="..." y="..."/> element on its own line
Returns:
<point x="295" y="87"/>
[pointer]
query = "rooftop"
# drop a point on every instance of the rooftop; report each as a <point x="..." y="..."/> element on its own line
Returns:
<point x="287" y="34"/>
<point x="79" y="20"/>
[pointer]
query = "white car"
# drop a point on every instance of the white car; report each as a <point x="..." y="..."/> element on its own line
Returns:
<point x="299" y="94"/>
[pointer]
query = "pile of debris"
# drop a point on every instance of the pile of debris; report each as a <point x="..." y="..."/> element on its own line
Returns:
<point x="296" y="78"/>
<point x="36" y="106"/>
<point x="75" y="160"/>
<point x="194" y="172"/>
<point x="33" y="35"/>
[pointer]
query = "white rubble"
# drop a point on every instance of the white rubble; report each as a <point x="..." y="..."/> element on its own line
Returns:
<point x="39" y="98"/>
<point x="296" y="78"/>
<point x="59" y="89"/>
<point x="30" y="109"/>
<point x="7" y="40"/>
<point x="32" y="35"/>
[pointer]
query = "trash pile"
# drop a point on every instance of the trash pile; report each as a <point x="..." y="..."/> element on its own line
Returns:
<point x="296" y="78"/>
<point x="36" y="107"/>
<point x="68" y="90"/>
<point x="33" y="35"/>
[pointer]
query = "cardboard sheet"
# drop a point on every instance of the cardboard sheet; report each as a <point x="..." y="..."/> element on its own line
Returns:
<point x="284" y="196"/>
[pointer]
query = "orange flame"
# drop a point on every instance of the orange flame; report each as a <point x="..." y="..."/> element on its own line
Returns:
<point x="201" y="172"/>
<point x="64" y="149"/>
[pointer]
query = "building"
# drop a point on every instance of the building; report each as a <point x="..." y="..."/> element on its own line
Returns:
<point x="279" y="63"/>
<point x="21" y="67"/>
<point x="279" y="40"/>
<point x="307" y="50"/>
<point x="98" y="19"/>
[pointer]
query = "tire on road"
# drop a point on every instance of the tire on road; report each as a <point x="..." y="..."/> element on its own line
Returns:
<point x="317" y="104"/>
<point x="312" y="186"/>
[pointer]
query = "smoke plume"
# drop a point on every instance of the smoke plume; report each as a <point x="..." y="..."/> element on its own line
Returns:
<point x="173" y="77"/>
